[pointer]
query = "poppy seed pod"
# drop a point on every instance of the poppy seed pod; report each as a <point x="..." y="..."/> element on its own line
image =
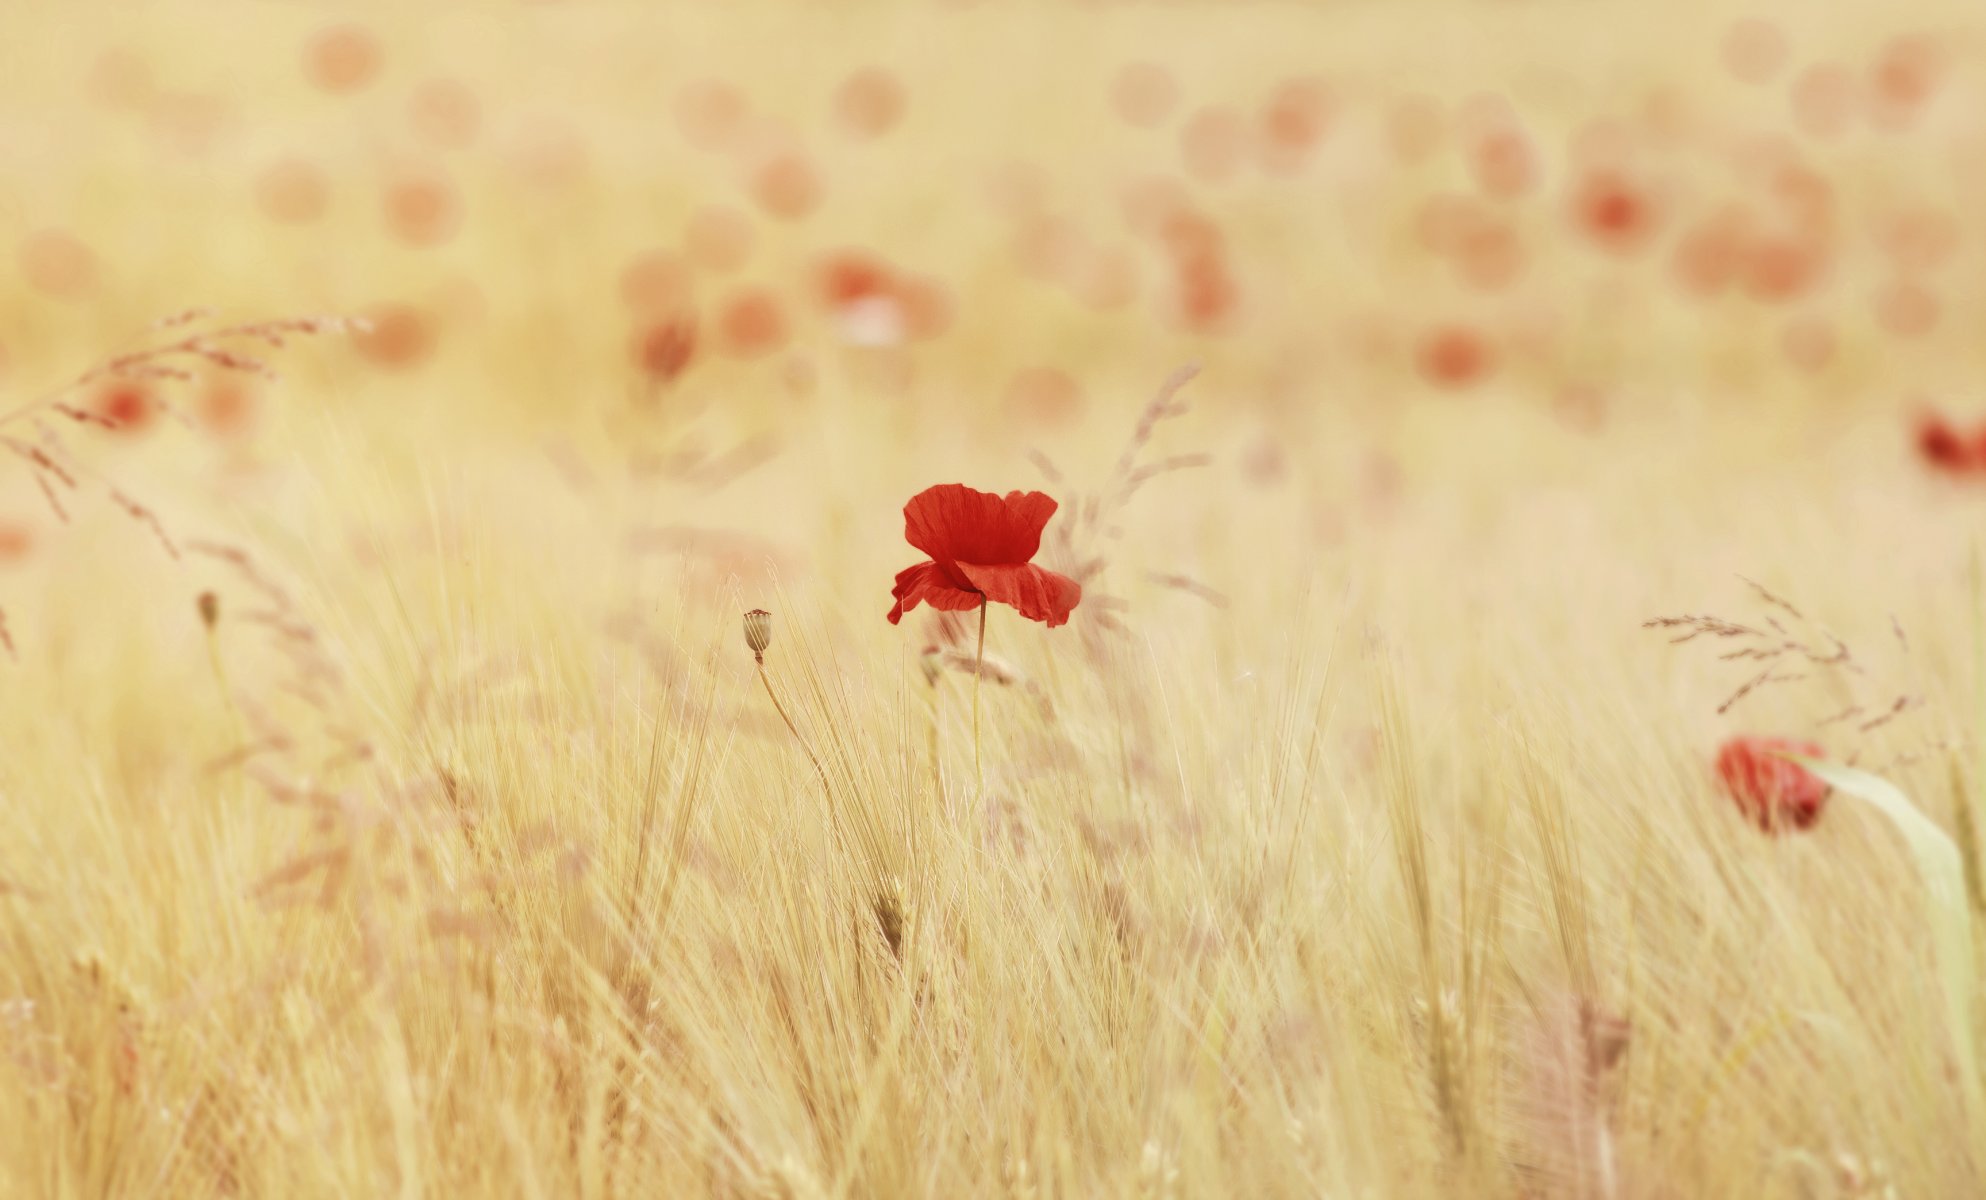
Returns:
<point x="758" y="632"/>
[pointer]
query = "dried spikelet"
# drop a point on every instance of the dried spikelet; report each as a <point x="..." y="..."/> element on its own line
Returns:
<point x="1798" y="649"/>
<point x="48" y="493"/>
<point x="1569" y="1052"/>
<point x="243" y="566"/>
<point x="41" y="460"/>
<point x="890" y="916"/>
<point x="736" y="463"/>
<point x="83" y="416"/>
<point x="330" y="863"/>
<point x="1046" y="466"/>
<point x="241" y="754"/>
<point x="7" y="639"/>
<point x="1191" y="586"/>
<point x="991" y="668"/>
<point x="146" y="517"/>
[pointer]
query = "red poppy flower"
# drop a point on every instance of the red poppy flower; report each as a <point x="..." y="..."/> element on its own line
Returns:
<point x="980" y="544"/>
<point x="1775" y="792"/>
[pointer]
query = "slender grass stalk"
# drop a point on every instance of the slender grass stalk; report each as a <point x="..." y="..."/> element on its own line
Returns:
<point x="779" y="708"/>
<point x="210" y="619"/>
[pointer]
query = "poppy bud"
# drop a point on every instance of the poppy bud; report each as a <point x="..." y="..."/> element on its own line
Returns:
<point x="758" y="632"/>
<point x="210" y="609"/>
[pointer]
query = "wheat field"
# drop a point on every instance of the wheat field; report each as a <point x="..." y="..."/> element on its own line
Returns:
<point x="392" y="805"/>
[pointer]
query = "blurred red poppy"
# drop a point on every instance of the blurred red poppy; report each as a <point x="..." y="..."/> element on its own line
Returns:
<point x="870" y="103"/>
<point x="1774" y="792"/>
<point x="127" y="405"/>
<point x="1942" y="446"/>
<point x="342" y="58"/>
<point x="980" y="544"/>
<point x="664" y="349"/>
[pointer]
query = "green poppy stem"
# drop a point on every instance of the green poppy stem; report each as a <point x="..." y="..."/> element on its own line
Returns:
<point x="978" y="669"/>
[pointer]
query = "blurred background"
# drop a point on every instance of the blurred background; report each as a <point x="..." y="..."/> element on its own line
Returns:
<point x="1516" y="325"/>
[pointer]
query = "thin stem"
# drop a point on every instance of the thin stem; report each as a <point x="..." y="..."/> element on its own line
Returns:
<point x="221" y="683"/>
<point x="791" y="728"/>
<point x="978" y="669"/>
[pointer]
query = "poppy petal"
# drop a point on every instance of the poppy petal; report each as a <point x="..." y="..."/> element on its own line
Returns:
<point x="954" y="523"/>
<point x="925" y="583"/>
<point x="1039" y="594"/>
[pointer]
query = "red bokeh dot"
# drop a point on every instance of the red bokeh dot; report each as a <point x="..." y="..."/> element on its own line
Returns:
<point x="445" y="114"/>
<point x="1781" y="268"/>
<point x="423" y="209"/>
<point x="1294" y="119"/>
<point x="788" y="187"/>
<point x="719" y="239"/>
<point x="1906" y="310"/>
<point x="1489" y="255"/>
<point x="664" y="348"/>
<point x="847" y="277"/>
<point x="292" y="192"/>
<point x="1808" y="343"/>
<point x="751" y="324"/>
<point x="1918" y="239"/>
<point x="657" y="281"/>
<point x="1144" y="94"/>
<point x="1208" y="293"/>
<point x="1190" y="234"/>
<point x="127" y="404"/>
<point x="1710" y="255"/>
<point x="16" y="541"/>
<point x="870" y="103"/>
<point x="1212" y="142"/>
<point x="397" y="336"/>
<point x="58" y="264"/>
<point x="1615" y="212"/>
<point x="1454" y="356"/>
<point x="1908" y="73"/>
<point x="342" y="58"/>
<point x="1824" y="100"/>
<point x="1484" y="249"/>
<point x="1805" y="194"/>
<point x="711" y="114"/>
<point x="226" y="405"/>
<point x="1755" y="50"/>
<point x="1045" y="396"/>
<point x="1503" y="162"/>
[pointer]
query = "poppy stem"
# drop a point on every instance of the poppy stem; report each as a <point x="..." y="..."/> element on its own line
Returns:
<point x="978" y="669"/>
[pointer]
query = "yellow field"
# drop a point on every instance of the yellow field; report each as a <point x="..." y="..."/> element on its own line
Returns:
<point x="1353" y="839"/>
